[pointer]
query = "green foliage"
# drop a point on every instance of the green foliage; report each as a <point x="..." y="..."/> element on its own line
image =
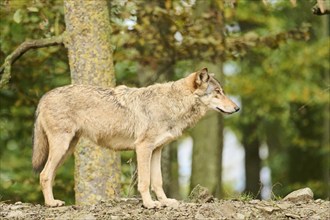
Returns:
<point x="32" y="75"/>
<point x="285" y="92"/>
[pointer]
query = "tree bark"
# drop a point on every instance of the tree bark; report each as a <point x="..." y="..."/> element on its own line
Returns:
<point x="97" y="170"/>
<point x="251" y="145"/>
<point x="326" y="122"/>
<point x="205" y="153"/>
<point x="219" y="149"/>
<point x="170" y="170"/>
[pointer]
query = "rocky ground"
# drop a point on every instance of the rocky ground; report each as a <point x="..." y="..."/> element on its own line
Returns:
<point x="299" y="206"/>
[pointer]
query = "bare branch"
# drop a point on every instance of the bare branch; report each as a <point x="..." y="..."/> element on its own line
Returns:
<point x="23" y="48"/>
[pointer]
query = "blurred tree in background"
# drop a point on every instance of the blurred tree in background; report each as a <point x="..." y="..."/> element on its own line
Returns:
<point x="280" y="55"/>
<point x="284" y="90"/>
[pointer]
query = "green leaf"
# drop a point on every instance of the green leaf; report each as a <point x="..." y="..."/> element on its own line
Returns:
<point x="33" y="9"/>
<point x="18" y="16"/>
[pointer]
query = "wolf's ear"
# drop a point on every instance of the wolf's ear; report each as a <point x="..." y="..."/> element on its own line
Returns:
<point x="202" y="76"/>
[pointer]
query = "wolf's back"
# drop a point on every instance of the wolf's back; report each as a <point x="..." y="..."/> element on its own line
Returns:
<point x="40" y="146"/>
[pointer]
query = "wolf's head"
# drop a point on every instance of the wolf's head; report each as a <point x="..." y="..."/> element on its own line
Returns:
<point x="210" y="92"/>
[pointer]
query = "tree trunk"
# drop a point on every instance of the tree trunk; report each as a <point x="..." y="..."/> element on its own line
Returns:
<point x="326" y="122"/>
<point x="205" y="158"/>
<point x="218" y="7"/>
<point x="170" y="170"/>
<point x="251" y="145"/>
<point x="219" y="149"/>
<point x="97" y="170"/>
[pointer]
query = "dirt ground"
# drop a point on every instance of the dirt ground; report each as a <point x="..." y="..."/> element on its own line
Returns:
<point x="214" y="209"/>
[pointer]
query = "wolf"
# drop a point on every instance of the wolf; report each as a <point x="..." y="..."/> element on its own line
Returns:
<point x="122" y="118"/>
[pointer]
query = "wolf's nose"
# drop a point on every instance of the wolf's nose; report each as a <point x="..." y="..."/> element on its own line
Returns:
<point x="237" y="109"/>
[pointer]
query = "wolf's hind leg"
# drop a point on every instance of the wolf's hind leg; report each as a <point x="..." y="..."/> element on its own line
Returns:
<point x="157" y="181"/>
<point x="58" y="148"/>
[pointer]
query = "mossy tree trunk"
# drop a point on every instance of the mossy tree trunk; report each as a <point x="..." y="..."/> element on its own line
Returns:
<point x="97" y="169"/>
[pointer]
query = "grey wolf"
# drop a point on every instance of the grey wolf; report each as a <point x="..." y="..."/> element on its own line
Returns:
<point x="122" y="118"/>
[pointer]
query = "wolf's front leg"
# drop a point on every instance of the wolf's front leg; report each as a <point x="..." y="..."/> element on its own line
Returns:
<point x="143" y="154"/>
<point x="157" y="181"/>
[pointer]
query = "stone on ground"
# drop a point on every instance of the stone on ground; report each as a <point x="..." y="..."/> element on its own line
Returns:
<point x="304" y="194"/>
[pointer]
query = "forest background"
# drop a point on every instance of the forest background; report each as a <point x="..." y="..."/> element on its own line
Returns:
<point x="272" y="58"/>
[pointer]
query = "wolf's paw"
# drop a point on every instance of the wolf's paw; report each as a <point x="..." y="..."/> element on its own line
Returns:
<point x="173" y="203"/>
<point x="55" y="203"/>
<point x="152" y="204"/>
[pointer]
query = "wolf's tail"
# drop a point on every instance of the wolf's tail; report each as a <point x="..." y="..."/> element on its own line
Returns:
<point x="40" y="147"/>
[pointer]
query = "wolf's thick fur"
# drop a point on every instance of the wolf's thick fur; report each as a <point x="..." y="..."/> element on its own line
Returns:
<point x="122" y="118"/>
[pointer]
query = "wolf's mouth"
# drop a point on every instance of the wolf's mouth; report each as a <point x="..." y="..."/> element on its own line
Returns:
<point x="223" y="111"/>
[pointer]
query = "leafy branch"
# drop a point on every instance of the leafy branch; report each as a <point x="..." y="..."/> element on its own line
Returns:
<point x="5" y="69"/>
